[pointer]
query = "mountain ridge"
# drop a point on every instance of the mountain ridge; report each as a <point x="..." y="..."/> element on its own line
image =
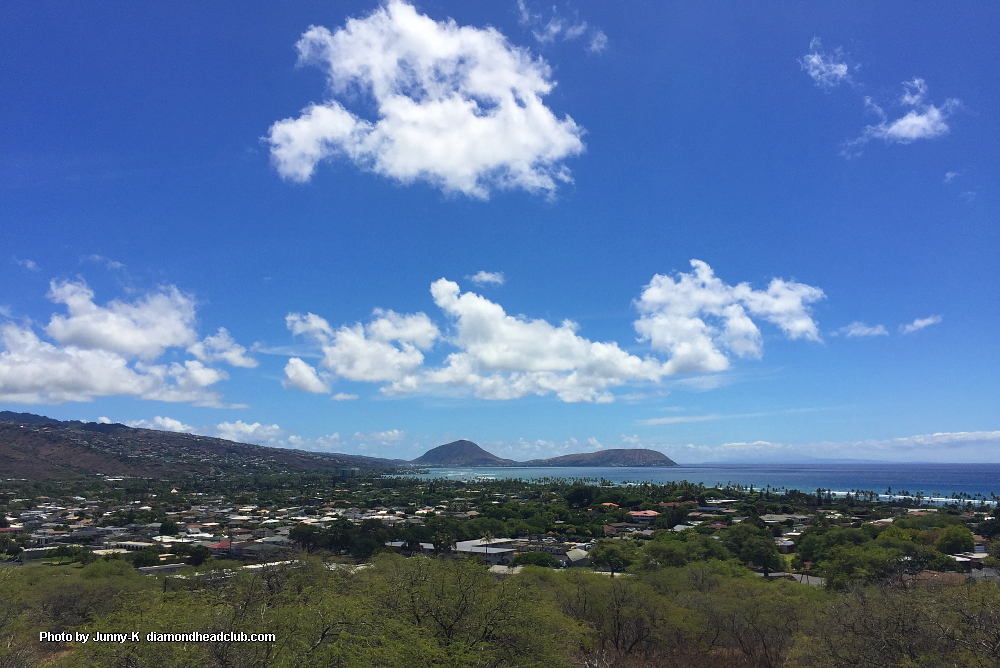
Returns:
<point x="37" y="447"/>
<point x="467" y="453"/>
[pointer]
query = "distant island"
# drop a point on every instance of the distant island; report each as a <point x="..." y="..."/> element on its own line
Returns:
<point x="37" y="447"/>
<point x="467" y="453"/>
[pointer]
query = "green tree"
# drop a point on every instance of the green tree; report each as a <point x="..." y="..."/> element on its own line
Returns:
<point x="613" y="555"/>
<point x="762" y="553"/>
<point x="954" y="539"/>
<point x="197" y="555"/>
<point x="148" y="556"/>
<point x="845" y="564"/>
<point x="543" y="559"/>
<point x="305" y="535"/>
<point x="168" y="528"/>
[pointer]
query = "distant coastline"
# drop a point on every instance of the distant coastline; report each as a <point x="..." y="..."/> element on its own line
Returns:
<point x="941" y="481"/>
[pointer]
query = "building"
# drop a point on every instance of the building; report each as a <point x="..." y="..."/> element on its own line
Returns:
<point x="644" y="517"/>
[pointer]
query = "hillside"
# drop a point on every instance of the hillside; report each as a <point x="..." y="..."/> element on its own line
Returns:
<point x="611" y="457"/>
<point x="460" y="453"/>
<point x="467" y="453"/>
<point x="35" y="447"/>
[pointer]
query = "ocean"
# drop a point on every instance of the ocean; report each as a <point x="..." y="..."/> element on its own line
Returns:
<point x="933" y="481"/>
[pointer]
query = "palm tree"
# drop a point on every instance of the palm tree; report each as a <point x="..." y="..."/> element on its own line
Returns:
<point x="486" y="539"/>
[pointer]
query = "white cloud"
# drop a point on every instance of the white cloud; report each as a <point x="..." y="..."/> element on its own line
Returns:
<point x="272" y="435"/>
<point x="558" y="26"/>
<point x="500" y="356"/>
<point x="242" y="432"/>
<point x="100" y="259"/>
<point x="106" y="351"/>
<point x="950" y="176"/>
<point x="857" y="328"/>
<point x="222" y="347"/>
<point x="103" y="420"/>
<point x="971" y="446"/>
<point x="309" y="324"/>
<point x="162" y="424"/>
<point x="328" y="443"/>
<point x="342" y="396"/>
<point x="920" y="323"/>
<point x="484" y="277"/>
<point x="387" y="349"/>
<point x="459" y="107"/>
<point x="144" y="328"/>
<point x="505" y="357"/>
<point x="35" y="371"/>
<point x="673" y="313"/>
<point x="684" y="419"/>
<point x="301" y="376"/>
<point x="826" y="70"/>
<point x="30" y="265"/>
<point x="383" y="437"/>
<point x="922" y="121"/>
<point x="598" y="42"/>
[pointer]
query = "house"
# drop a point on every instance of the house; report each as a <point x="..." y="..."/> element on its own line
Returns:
<point x="645" y="517"/>
<point x="162" y="569"/>
<point x="617" y="527"/>
<point x="493" y="553"/>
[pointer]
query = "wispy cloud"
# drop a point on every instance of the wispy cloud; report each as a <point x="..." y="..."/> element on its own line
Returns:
<point x="920" y="323"/>
<point x="556" y="26"/>
<point x="684" y="419"/>
<point x="950" y="176"/>
<point x="100" y="259"/>
<point x="828" y="70"/>
<point x="965" y="446"/>
<point x="487" y="277"/>
<point x="598" y="42"/>
<point x="383" y="437"/>
<point x="923" y="120"/>
<point x="860" y="329"/>
<point x="30" y="265"/>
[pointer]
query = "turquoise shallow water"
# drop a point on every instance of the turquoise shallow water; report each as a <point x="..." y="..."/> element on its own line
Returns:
<point x="931" y="480"/>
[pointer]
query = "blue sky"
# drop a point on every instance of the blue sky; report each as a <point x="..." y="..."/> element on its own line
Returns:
<point x="723" y="231"/>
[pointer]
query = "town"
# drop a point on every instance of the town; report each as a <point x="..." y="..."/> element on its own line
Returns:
<point x="163" y="527"/>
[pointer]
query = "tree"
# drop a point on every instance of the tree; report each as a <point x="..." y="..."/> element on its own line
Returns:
<point x="148" y="556"/>
<point x="168" y="528"/>
<point x="443" y="542"/>
<point x="614" y="555"/>
<point x="581" y="496"/>
<point x="989" y="529"/>
<point x="845" y="564"/>
<point x="762" y="553"/>
<point x="487" y="539"/>
<point x="954" y="539"/>
<point x="305" y="535"/>
<point x="197" y="555"/>
<point x="543" y="559"/>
